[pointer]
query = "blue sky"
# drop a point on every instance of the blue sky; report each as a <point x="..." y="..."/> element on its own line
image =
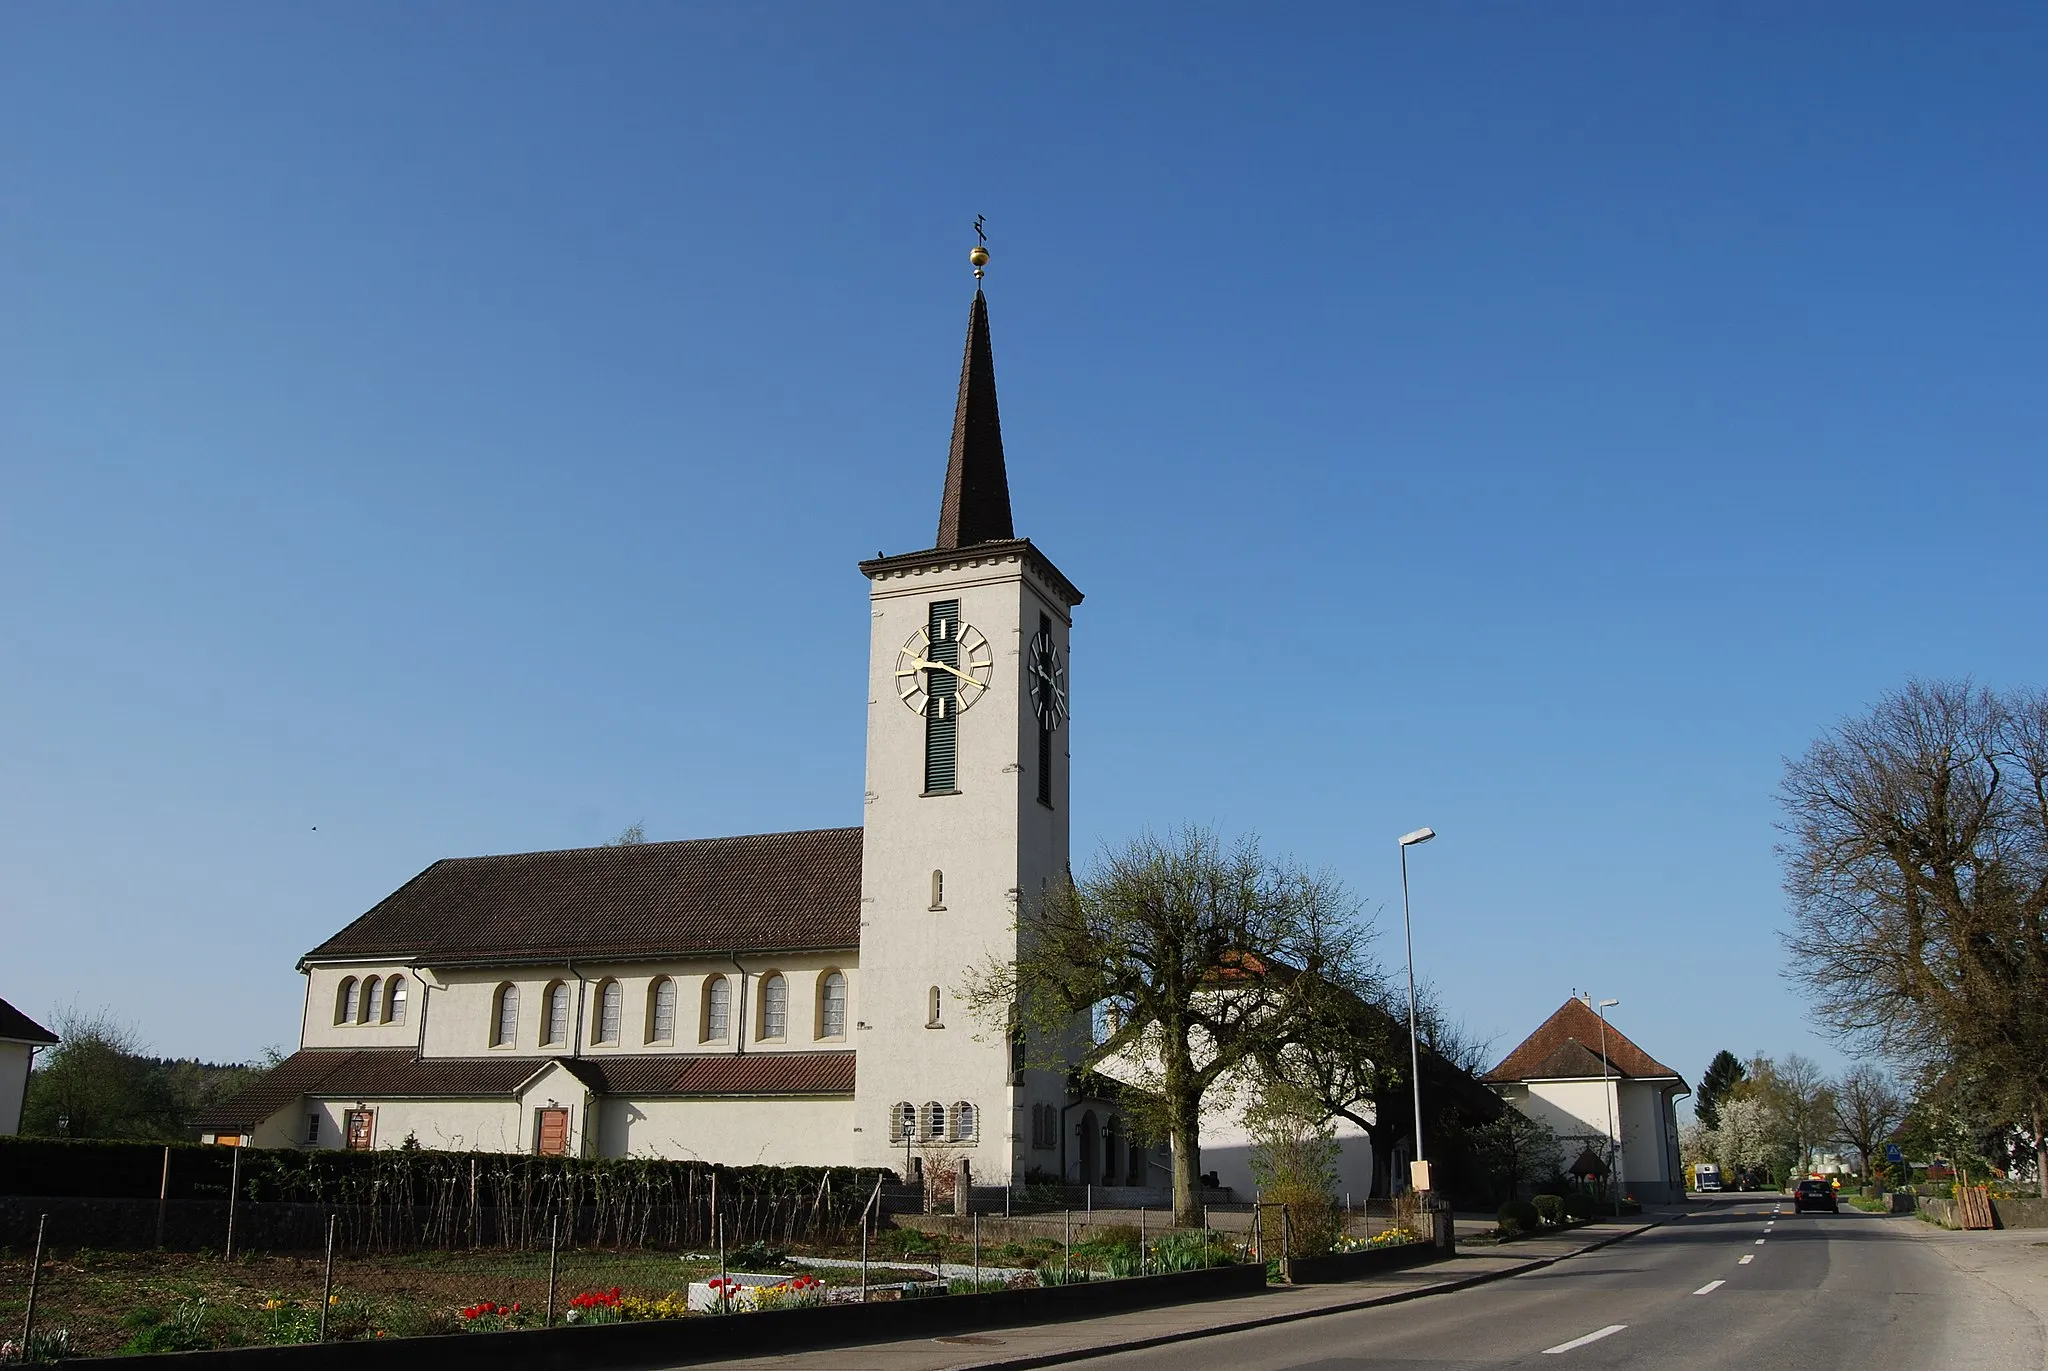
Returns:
<point x="454" y="427"/>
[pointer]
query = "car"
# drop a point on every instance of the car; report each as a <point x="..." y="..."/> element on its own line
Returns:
<point x="1815" y="1195"/>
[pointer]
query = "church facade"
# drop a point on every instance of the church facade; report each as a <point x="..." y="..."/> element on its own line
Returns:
<point x="786" y="998"/>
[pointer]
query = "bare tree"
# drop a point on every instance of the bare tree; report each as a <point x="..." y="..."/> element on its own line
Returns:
<point x="1203" y="961"/>
<point x="1916" y="857"/>
<point x="1867" y="1108"/>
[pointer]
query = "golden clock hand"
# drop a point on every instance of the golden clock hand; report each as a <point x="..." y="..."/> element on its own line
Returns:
<point x="941" y="666"/>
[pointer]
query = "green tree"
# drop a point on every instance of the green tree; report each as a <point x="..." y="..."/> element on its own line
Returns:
<point x="1916" y="858"/>
<point x="1206" y="960"/>
<point x="1722" y="1073"/>
<point x="95" y="1083"/>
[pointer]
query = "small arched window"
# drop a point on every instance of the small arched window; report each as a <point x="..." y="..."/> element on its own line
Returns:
<point x="902" y="1121"/>
<point x="964" y="1122"/>
<point x="661" y="1011"/>
<point x="554" y="1029"/>
<point x="368" y="1013"/>
<point x="345" y="1000"/>
<point x="611" y="1012"/>
<point x="394" y="1000"/>
<point x="717" y="1009"/>
<point x="938" y="890"/>
<point x="505" y="1022"/>
<point x="775" y="1006"/>
<point x="935" y="1122"/>
<point x="832" y="1005"/>
<point x="932" y="1006"/>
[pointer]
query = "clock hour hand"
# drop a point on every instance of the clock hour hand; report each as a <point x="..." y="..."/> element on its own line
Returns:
<point x="922" y="664"/>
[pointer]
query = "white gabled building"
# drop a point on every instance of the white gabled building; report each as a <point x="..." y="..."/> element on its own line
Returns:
<point x="1559" y="1077"/>
<point x="788" y="998"/>
<point x="20" y="1039"/>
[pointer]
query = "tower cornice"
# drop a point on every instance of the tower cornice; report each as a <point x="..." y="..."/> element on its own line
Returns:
<point x="980" y="554"/>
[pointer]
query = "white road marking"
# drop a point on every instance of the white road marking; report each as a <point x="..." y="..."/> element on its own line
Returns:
<point x="1759" y="1242"/>
<point x="1747" y="1260"/>
<point x="1709" y="1288"/>
<point x="1593" y="1336"/>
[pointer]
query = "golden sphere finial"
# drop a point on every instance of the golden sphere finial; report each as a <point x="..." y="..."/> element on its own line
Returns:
<point x="979" y="257"/>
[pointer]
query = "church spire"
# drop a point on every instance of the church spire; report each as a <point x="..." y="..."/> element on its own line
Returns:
<point x="976" y="507"/>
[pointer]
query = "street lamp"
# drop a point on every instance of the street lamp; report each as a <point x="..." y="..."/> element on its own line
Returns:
<point x="1613" y="1142"/>
<point x="1408" y="840"/>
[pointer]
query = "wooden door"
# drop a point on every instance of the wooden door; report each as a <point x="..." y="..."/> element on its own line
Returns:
<point x="552" y="1129"/>
<point x="360" y="1129"/>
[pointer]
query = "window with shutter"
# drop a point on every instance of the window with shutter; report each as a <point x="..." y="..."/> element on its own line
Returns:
<point x="1044" y="732"/>
<point x="941" y="715"/>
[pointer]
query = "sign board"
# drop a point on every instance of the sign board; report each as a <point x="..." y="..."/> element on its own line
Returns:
<point x="1418" y="1175"/>
<point x="1893" y="1153"/>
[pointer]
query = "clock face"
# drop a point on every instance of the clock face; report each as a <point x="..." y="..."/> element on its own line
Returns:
<point x="944" y="668"/>
<point x="1048" y="682"/>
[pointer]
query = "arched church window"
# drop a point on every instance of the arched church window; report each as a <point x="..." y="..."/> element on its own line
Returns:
<point x="964" y="1122"/>
<point x="394" y="1000"/>
<point x="555" y="1026"/>
<point x="775" y="1006"/>
<point x="611" y="1012"/>
<point x="932" y="1006"/>
<point x="717" y="1009"/>
<point x="902" y="1121"/>
<point x="661" y="1011"/>
<point x="505" y="1022"/>
<point x="345" y="1000"/>
<point x="368" y="1013"/>
<point x="832" y="1005"/>
<point x="938" y="890"/>
<point x="935" y="1122"/>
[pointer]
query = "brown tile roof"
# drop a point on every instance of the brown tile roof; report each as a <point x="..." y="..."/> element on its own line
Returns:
<point x="767" y="892"/>
<point x="18" y="1027"/>
<point x="394" y="1073"/>
<point x="1567" y="1046"/>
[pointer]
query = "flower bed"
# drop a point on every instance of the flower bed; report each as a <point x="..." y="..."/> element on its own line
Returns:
<point x="1368" y="1258"/>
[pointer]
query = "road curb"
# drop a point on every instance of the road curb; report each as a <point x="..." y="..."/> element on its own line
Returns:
<point x="1103" y="1349"/>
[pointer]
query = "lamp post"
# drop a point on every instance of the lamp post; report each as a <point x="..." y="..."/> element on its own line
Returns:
<point x="1408" y="840"/>
<point x="1607" y="1087"/>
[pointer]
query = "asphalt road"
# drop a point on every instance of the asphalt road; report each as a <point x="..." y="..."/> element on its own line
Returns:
<point x="1734" y="1286"/>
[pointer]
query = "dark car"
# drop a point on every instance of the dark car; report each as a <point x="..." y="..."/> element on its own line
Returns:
<point x="1815" y="1195"/>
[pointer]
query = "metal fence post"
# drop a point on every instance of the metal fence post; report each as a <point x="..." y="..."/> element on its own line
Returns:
<point x="163" y="1197"/>
<point x="1286" y="1234"/>
<point x="1070" y="1244"/>
<point x="234" y="1194"/>
<point x="1141" y="1239"/>
<point x="863" y="1257"/>
<point x="977" y="1254"/>
<point x="327" y="1285"/>
<point x="35" y="1271"/>
<point x="554" y="1255"/>
<point x="1259" y="1231"/>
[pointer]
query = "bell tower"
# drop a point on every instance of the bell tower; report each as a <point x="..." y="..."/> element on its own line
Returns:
<point x="966" y="806"/>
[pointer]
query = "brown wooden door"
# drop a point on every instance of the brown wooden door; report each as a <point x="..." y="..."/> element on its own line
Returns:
<point x="360" y="1129"/>
<point x="553" y="1132"/>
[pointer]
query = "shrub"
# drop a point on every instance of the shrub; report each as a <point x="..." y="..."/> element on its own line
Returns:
<point x="1312" y="1225"/>
<point x="1191" y="1252"/>
<point x="1518" y="1216"/>
<point x="1578" y="1206"/>
<point x="1549" y="1208"/>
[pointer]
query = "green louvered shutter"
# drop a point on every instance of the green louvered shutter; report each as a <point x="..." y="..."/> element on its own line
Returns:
<point x="942" y="710"/>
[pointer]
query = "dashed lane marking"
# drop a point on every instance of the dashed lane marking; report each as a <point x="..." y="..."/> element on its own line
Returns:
<point x="1747" y="1259"/>
<point x="1709" y="1288"/>
<point x="1759" y="1242"/>
<point x="1593" y="1336"/>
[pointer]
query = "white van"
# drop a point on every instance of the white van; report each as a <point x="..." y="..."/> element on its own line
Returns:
<point x="1705" y="1177"/>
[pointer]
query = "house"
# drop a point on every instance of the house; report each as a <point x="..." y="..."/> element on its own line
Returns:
<point x="20" y="1038"/>
<point x="1560" y="1076"/>
<point x="780" y="998"/>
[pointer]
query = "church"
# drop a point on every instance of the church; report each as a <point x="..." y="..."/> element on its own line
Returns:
<point x="778" y="998"/>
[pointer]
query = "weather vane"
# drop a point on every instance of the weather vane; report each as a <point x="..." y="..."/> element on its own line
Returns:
<point x="980" y="254"/>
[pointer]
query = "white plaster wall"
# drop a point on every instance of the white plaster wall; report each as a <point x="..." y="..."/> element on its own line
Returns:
<point x="1227" y="1151"/>
<point x="1580" y="1107"/>
<point x="14" y="1066"/>
<point x="323" y="986"/>
<point x="462" y="1006"/>
<point x="731" y="1132"/>
<point x="994" y="841"/>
